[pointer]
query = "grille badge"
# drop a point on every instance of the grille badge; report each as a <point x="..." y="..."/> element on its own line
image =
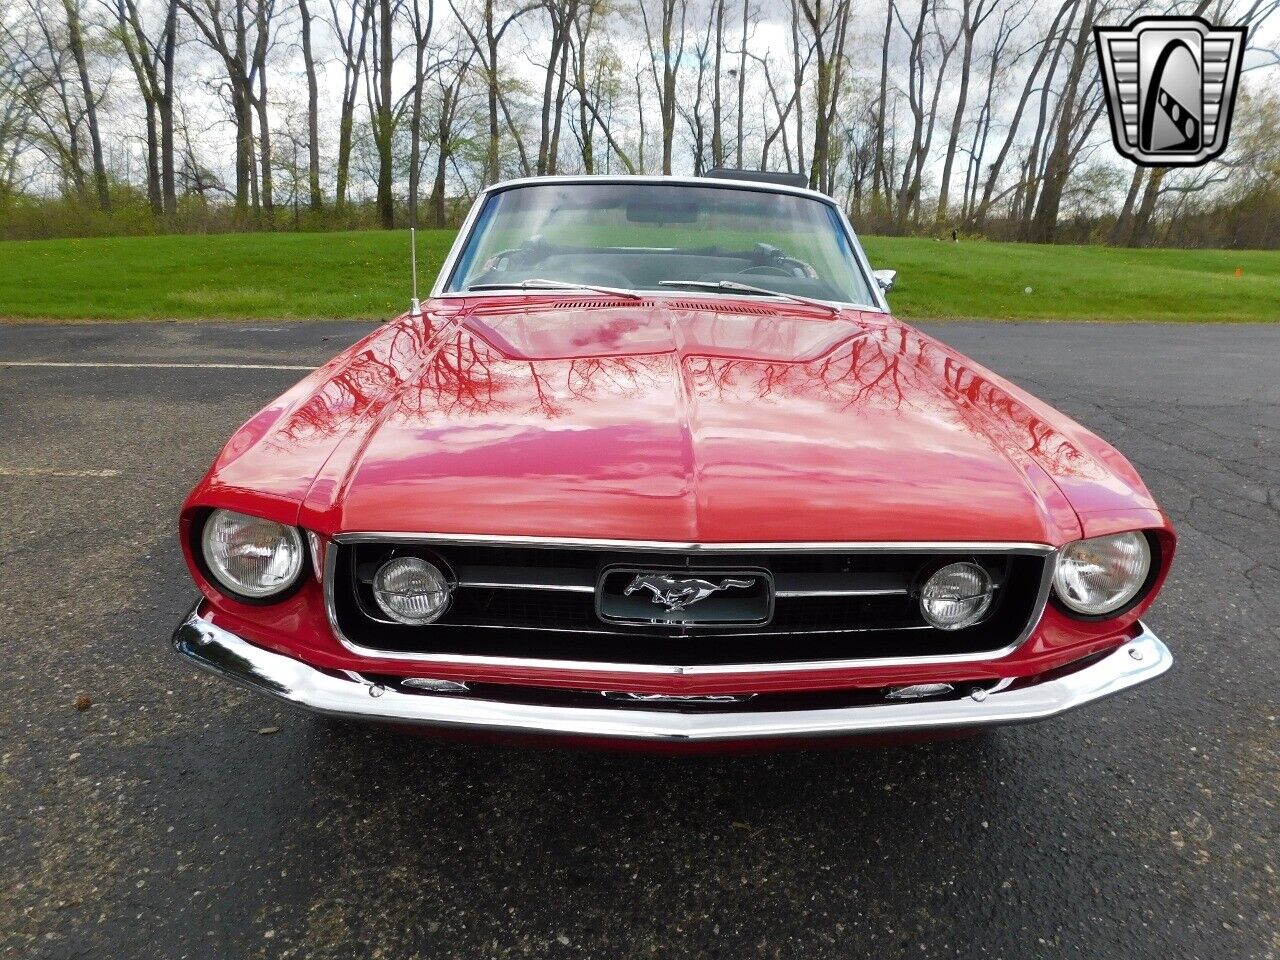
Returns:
<point x="676" y="593"/>
<point x="685" y="597"/>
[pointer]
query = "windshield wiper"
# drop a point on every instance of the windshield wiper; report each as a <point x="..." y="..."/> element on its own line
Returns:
<point x="748" y="288"/>
<point x="538" y="283"/>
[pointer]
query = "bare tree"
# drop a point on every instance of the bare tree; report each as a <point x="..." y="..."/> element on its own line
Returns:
<point x="48" y="93"/>
<point x="997" y="70"/>
<point x="692" y="113"/>
<point x="152" y="61"/>
<point x="1072" y="112"/>
<point x="583" y="26"/>
<point x="597" y="97"/>
<point x="717" y="121"/>
<point x="666" y="47"/>
<point x="562" y="15"/>
<point x="76" y="44"/>
<point x="973" y="13"/>
<point x="314" y="196"/>
<point x="352" y="33"/>
<point x="382" y="111"/>
<point x="449" y="80"/>
<point x="879" y="175"/>
<point x="1046" y="47"/>
<point x="742" y="81"/>
<point x="781" y="115"/>
<point x="924" y="114"/>
<point x="829" y="27"/>
<point x="486" y="43"/>
<point x="19" y="89"/>
<point x="240" y="35"/>
<point x="422" y="24"/>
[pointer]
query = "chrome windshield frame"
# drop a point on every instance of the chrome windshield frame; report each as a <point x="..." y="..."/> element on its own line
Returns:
<point x="438" y="291"/>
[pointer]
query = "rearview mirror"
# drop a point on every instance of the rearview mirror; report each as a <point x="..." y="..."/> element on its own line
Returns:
<point x="886" y="278"/>
<point x="649" y="211"/>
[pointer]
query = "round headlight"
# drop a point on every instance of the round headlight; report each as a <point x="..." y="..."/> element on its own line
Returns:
<point x="1100" y="575"/>
<point x="411" y="590"/>
<point x="956" y="596"/>
<point x="250" y="556"/>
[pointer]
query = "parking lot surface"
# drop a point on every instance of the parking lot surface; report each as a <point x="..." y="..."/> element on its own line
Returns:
<point x="178" y="816"/>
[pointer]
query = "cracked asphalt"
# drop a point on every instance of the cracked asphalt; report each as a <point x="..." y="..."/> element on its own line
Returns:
<point x="160" y="822"/>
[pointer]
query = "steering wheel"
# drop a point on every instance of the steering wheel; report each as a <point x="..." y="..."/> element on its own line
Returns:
<point x="767" y="271"/>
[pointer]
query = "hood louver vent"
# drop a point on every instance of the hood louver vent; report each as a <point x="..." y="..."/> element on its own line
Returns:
<point x="703" y="306"/>
<point x="721" y="308"/>
<point x="599" y="304"/>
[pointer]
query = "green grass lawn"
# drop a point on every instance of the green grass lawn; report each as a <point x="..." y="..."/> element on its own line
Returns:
<point x="940" y="280"/>
<point x="365" y="275"/>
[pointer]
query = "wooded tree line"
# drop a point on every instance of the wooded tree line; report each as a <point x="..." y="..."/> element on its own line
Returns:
<point x="982" y="116"/>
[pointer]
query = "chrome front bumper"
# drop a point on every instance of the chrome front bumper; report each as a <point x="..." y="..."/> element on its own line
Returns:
<point x="348" y="694"/>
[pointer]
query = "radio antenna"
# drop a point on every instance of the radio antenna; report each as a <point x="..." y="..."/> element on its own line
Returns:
<point x="415" y="308"/>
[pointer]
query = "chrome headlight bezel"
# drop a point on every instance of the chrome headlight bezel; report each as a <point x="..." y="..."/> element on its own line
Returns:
<point x="1137" y="588"/>
<point x="216" y="569"/>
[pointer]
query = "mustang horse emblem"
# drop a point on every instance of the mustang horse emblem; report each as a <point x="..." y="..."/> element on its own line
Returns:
<point x="676" y="593"/>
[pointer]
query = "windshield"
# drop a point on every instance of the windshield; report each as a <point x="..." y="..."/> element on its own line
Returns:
<point x="654" y="236"/>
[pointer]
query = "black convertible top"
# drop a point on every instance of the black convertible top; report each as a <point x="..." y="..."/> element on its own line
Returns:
<point x="759" y="176"/>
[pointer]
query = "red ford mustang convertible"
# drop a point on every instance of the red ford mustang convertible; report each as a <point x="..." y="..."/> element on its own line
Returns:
<point x="655" y="463"/>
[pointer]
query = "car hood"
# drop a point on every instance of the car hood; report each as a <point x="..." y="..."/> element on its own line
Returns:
<point x="672" y="420"/>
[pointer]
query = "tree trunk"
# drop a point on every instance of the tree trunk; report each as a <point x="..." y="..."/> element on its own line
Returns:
<point x="717" y="132"/>
<point x="993" y="172"/>
<point x="585" y="122"/>
<point x="742" y="84"/>
<point x="168" y="185"/>
<point x="353" y="46"/>
<point x="798" y="78"/>
<point x="878" y="172"/>
<point x="137" y="48"/>
<point x="968" y="27"/>
<point x="154" y="199"/>
<point x="915" y="100"/>
<point x="75" y="40"/>
<point x="421" y="39"/>
<point x="559" y="37"/>
<point x="384" y="128"/>
<point x="244" y="150"/>
<point x="264" y="147"/>
<point x="443" y="133"/>
<point x="313" y="110"/>
<point x="669" y="67"/>
<point x="1122" y="232"/>
<point x="640" y="116"/>
<point x="1146" y="209"/>
<point x="491" y="169"/>
<point x="830" y="57"/>
<point x="1058" y="166"/>
<point x="553" y="153"/>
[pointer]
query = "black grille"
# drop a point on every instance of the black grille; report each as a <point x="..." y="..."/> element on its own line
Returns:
<point x="541" y="603"/>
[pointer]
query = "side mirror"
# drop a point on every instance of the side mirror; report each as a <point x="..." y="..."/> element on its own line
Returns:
<point x="886" y="278"/>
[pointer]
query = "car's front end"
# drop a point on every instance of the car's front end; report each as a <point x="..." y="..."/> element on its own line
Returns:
<point x="674" y="514"/>
<point x="521" y="650"/>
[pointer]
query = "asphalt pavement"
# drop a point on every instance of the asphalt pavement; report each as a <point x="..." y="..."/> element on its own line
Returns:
<point x="177" y="816"/>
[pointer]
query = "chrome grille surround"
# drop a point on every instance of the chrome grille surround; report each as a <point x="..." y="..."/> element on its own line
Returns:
<point x="1045" y="551"/>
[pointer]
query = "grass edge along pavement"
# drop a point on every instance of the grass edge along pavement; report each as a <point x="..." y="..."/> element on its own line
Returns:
<point x="365" y="275"/>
